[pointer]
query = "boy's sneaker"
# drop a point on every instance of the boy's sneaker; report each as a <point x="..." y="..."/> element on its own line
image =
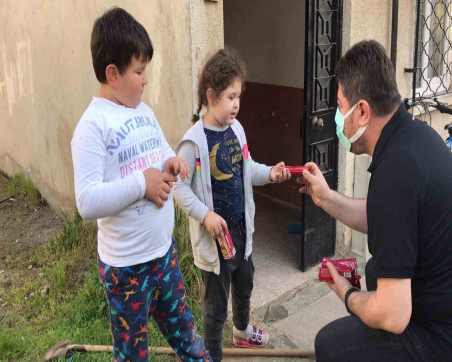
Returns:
<point x="252" y="337"/>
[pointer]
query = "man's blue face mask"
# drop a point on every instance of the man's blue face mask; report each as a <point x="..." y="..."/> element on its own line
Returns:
<point x="340" y="121"/>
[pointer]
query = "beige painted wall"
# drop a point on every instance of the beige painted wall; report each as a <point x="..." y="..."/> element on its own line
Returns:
<point x="269" y="35"/>
<point x="207" y="36"/>
<point x="46" y="77"/>
<point x="353" y="175"/>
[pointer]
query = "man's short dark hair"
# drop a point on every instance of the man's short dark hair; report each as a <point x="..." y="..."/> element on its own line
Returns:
<point x="366" y="72"/>
<point x="115" y="39"/>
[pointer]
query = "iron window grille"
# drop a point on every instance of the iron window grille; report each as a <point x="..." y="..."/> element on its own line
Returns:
<point x="432" y="63"/>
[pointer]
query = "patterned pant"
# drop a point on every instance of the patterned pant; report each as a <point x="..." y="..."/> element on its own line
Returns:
<point x="156" y="289"/>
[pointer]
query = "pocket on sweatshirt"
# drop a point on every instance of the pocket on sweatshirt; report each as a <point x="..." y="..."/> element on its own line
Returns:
<point x="204" y="249"/>
<point x="208" y="252"/>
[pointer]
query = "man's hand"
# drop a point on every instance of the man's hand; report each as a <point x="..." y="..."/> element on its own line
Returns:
<point x="158" y="185"/>
<point x="279" y="173"/>
<point x="340" y="285"/>
<point x="215" y="225"/>
<point x="314" y="184"/>
<point x="176" y="166"/>
<point x="388" y="308"/>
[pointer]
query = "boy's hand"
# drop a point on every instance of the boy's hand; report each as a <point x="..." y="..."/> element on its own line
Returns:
<point x="158" y="185"/>
<point x="215" y="225"/>
<point x="279" y="173"/>
<point x="176" y="166"/>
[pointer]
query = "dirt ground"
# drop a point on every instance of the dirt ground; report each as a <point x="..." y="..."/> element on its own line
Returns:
<point x="22" y="228"/>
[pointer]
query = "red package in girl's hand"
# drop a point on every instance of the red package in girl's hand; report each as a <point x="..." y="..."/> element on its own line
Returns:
<point x="348" y="268"/>
<point x="227" y="245"/>
<point x="295" y="170"/>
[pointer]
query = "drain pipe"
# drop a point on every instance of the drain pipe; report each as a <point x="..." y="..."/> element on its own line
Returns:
<point x="394" y="29"/>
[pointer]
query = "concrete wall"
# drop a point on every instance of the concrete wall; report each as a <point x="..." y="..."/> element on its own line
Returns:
<point x="207" y="36"/>
<point x="269" y="35"/>
<point x="353" y="175"/>
<point x="46" y="77"/>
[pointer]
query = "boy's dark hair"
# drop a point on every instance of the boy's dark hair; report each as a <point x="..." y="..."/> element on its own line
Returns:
<point x="115" y="39"/>
<point x="219" y="72"/>
<point x="366" y="72"/>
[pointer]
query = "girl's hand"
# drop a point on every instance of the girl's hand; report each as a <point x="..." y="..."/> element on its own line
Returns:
<point x="279" y="173"/>
<point x="215" y="225"/>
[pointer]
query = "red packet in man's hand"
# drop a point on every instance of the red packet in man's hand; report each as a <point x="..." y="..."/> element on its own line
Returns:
<point x="348" y="268"/>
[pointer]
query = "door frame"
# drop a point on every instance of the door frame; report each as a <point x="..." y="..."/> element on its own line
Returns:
<point x="313" y="120"/>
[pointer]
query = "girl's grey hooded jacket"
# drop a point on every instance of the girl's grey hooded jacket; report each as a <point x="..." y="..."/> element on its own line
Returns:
<point x="194" y="195"/>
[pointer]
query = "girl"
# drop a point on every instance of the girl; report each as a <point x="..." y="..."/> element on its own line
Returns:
<point x="218" y="197"/>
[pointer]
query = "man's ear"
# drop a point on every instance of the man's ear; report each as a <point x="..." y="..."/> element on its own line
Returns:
<point x="111" y="73"/>
<point x="365" y="113"/>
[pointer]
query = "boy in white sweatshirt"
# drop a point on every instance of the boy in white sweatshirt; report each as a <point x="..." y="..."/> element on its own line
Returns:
<point x="124" y="170"/>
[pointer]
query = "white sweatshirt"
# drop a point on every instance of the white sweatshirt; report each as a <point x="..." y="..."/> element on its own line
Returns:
<point x="111" y="147"/>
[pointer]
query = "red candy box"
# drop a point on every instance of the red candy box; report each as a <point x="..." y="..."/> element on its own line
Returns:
<point x="295" y="170"/>
<point x="348" y="268"/>
<point x="227" y="245"/>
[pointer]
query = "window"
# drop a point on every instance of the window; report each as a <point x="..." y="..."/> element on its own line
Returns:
<point x="433" y="52"/>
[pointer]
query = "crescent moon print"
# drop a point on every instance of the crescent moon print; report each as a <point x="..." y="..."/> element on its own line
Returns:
<point x="214" y="171"/>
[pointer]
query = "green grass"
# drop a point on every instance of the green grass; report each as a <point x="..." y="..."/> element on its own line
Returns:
<point x="74" y="307"/>
<point x="192" y="275"/>
<point x="21" y="185"/>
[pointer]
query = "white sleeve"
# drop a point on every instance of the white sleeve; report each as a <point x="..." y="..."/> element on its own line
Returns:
<point x="95" y="198"/>
<point x="260" y="173"/>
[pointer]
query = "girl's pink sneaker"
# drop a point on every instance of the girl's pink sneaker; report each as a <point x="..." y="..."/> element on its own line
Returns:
<point x="255" y="338"/>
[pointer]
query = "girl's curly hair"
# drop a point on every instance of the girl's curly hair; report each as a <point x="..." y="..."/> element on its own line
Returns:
<point x="220" y="71"/>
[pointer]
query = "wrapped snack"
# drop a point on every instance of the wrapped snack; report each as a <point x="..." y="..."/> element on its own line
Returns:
<point x="348" y="268"/>
<point x="295" y="170"/>
<point x="227" y="245"/>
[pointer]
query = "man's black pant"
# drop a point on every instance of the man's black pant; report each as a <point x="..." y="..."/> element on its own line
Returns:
<point x="216" y="294"/>
<point x="348" y="339"/>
